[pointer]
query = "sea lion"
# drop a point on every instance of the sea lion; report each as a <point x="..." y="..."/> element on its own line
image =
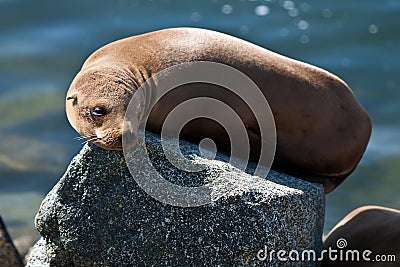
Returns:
<point x="371" y="228"/>
<point x="322" y="131"/>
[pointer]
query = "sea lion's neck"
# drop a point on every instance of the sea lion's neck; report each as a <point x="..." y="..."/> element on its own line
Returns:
<point x="139" y="74"/>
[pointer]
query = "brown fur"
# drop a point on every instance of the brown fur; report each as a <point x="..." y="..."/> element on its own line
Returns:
<point x="322" y="131"/>
<point x="369" y="227"/>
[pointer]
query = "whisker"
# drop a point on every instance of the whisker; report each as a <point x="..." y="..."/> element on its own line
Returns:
<point x="91" y="139"/>
<point x="84" y="142"/>
<point x="108" y="137"/>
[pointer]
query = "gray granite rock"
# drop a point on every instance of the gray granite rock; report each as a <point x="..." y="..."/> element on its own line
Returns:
<point x="97" y="215"/>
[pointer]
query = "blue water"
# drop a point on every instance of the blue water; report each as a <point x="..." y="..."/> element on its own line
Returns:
<point x="44" y="42"/>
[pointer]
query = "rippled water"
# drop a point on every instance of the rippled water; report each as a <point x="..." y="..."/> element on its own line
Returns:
<point x="43" y="43"/>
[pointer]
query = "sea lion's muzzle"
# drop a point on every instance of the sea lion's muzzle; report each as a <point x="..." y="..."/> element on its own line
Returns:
<point x="115" y="140"/>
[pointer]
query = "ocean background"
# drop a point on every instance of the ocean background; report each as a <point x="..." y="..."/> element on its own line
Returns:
<point x="43" y="43"/>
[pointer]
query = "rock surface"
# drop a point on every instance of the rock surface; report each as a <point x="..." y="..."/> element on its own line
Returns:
<point x="97" y="215"/>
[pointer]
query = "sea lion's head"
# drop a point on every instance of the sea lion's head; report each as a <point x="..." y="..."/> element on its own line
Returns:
<point x="96" y="103"/>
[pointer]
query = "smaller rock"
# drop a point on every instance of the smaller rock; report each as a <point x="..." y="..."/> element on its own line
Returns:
<point x="9" y="256"/>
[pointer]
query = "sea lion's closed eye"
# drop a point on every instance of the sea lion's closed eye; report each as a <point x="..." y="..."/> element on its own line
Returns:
<point x="99" y="112"/>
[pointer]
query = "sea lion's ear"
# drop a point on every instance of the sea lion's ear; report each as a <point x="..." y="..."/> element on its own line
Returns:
<point x="73" y="96"/>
